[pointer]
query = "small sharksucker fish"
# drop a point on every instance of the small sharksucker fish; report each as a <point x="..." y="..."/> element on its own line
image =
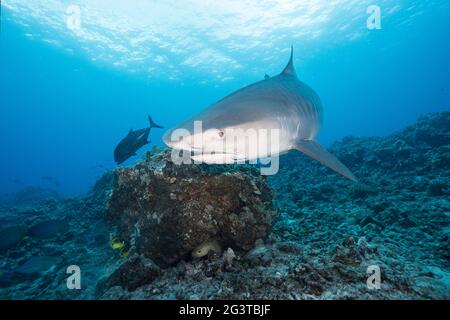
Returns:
<point x="135" y="140"/>
<point x="207" y="246"/>
<point x="281" y="103"/>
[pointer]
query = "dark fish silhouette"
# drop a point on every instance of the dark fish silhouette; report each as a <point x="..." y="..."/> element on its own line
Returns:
<point x="133" y="142"/>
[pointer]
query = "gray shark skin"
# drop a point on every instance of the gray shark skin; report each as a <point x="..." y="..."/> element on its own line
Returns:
<point x="133" y="142"/>
<point x="281" y="102"/>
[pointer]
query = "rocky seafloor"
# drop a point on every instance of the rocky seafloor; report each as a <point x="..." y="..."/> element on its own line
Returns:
<point x="155" y="230"/>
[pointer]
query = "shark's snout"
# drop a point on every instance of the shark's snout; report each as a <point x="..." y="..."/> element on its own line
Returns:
<point x="167" y="139"/>
<point x="174" y="140"/>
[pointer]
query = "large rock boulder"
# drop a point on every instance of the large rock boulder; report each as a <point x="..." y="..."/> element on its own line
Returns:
<point x="163" y="210"/>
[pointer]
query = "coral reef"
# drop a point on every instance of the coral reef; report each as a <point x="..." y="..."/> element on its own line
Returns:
<point x="11" y="236"/>
<point x="327" y="232"/>
<point x="48" y="229"/>
<point x="399" y="212"/>
<point x="33" y="195"/>
<point x="164" y="211"/>
<point x="54" y="234"/>
<point x="133" y="273"/>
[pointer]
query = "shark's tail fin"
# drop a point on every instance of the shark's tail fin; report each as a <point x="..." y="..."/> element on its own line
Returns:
<point x="316" y="151"/>
<point x="152" y="124"/>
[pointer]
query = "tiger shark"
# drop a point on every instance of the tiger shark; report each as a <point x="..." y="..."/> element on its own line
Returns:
<point x="282" y="104"/>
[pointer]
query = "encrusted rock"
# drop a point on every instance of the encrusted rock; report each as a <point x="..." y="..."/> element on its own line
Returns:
<point x="133" y="273"/>
<point x="166" y="210"/>
<point x="228" y="257"/>
<point x="347" y="253"/>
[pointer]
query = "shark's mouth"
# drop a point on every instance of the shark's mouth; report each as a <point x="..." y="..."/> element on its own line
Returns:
<point x="217" y="157"/>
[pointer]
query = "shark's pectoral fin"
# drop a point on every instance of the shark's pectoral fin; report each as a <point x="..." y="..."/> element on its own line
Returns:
<point x="314" y="150"/>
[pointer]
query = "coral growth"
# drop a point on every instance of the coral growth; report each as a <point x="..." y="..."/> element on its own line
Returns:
<point x="327" y="233"/>
<point x="165" y="210"/>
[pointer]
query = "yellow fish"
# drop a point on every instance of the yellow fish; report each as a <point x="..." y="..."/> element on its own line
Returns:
<point x="117" y="245"/>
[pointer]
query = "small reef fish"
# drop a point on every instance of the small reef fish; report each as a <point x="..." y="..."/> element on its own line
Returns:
<point x="120" y="246"/>
<point x="116" y="245"/>
<point x="133" y="142"/>
<point x="207" y="246"/>
<point x="282" y="103"/>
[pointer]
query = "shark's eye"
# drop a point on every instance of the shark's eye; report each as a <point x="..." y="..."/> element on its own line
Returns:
<point x="221" y="134"/>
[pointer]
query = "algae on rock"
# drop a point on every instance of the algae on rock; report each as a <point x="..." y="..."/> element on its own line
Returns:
<point x="164" y="210"/>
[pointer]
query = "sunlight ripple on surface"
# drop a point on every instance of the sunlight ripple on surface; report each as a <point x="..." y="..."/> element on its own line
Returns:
<point x="218" y="38"/>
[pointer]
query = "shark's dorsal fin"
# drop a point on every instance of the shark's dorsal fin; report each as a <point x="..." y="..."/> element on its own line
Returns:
<point x="289" y="69"/>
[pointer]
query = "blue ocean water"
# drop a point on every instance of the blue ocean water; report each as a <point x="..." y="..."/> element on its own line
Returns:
<point x="68" y="96"/>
